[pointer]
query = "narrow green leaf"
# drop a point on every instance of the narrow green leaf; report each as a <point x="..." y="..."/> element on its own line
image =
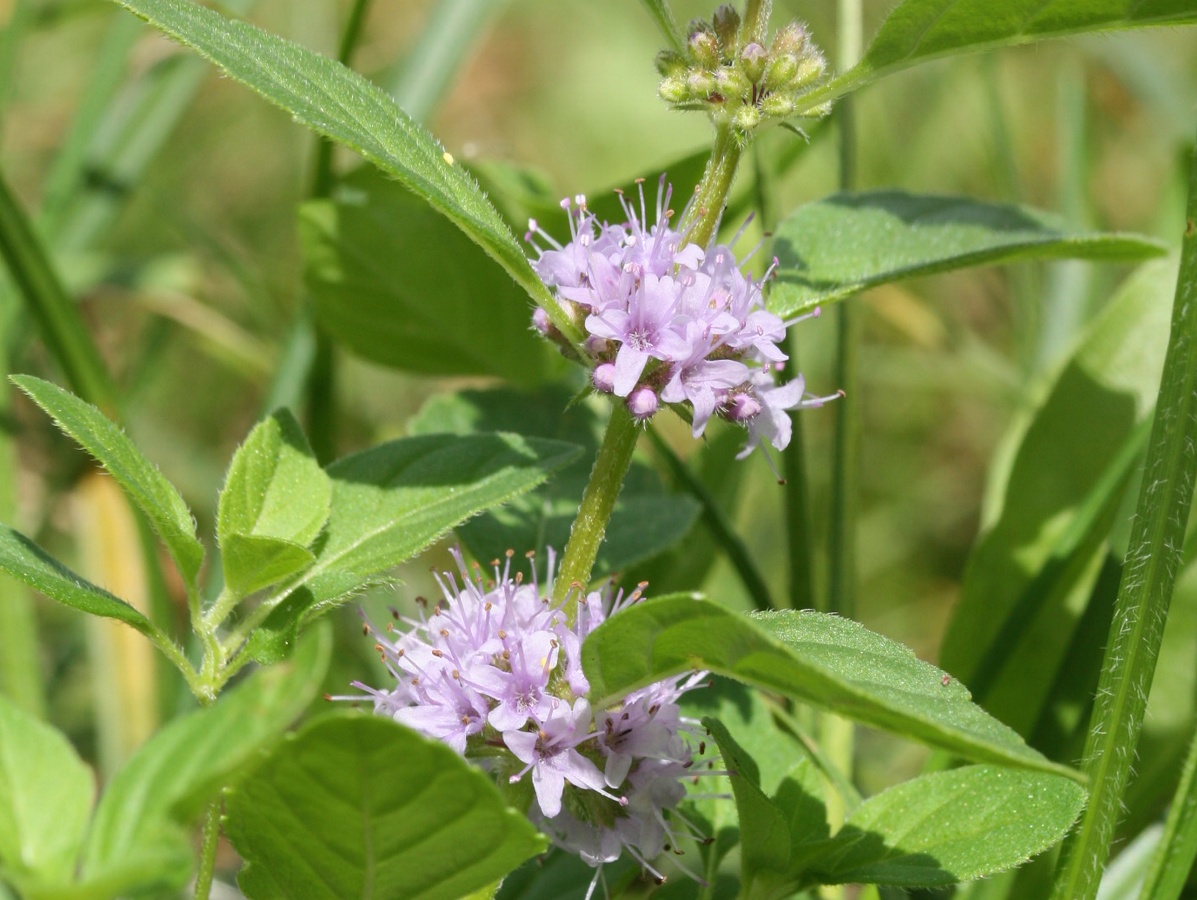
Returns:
<point x="419" y="312"/>
<point x="647" y="518"/>
<point x="833" y="663"/>
<point x="46" y="793"/>
<point x="1051" y="502"/>
<point x="1145" y="594"/>
<point x="275" y="502"/>
<point x="920" y="30"/>
<point x="952" y="826"/>
<point x="361" y="807"/>
<point x="141" y="480"/>
<point x="764" y="831"/>
<point x="835" y="247"/>
<point x="343" y="106"/>
<point x="23" y="559"/>
<point x="179" y="769"/>
<point x="392" y="501"/>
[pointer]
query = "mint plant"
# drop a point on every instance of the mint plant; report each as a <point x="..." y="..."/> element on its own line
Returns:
<point x="540" y="730"/>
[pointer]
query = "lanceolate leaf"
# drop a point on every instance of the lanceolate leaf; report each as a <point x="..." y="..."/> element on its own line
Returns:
<point x="920" y="30"/>
<point x="145" y="485"/>
<point x="392" y="501"/>
<point x="23" y="559"/>
<point x="830" y="662"/>
<point x="832" y="248"/>
<point x="950" y="826"/>
<point x="343" y="106"/>
<point x="46" y="794"/>
<point x="361" y="807"/>
<point x="170" y="778"/>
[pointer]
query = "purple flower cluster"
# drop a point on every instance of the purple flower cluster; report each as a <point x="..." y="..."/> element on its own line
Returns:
<point x="494" y="671"/>
<point x="668" y="320"/>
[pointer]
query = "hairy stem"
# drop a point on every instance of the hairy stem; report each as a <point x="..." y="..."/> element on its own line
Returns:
<point x="706" y="209"/>
<point x="211" y="838"/>
<point x="606" y="479"/>
<point x="1145" y="592"/>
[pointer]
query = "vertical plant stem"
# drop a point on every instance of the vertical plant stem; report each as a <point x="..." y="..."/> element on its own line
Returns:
<point x="756" y="20"/>
<point x="51" y="306"/>
<point x="1148" y="577"/>
<point x="606" y="479"/>
<point x="845" y="487"/>
<point x="663" y="16"/>
<point x="703" y="215"/>
<point x="211" y="838"/>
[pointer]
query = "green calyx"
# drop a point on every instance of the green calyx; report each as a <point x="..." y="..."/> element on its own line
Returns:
<point x="728" y="72"/>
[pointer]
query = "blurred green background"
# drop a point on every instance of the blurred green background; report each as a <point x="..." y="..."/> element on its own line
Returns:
<point x="190" y="274"/>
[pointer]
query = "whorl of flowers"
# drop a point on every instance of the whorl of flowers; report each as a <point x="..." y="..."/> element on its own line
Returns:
<point x="494" y="670"/>
<point x="670" y="321"/>
<point x="736" y="80"/>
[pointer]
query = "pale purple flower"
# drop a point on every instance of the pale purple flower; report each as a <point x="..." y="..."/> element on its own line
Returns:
<point x="494" y="670"/>
<point x="669" y="320"/>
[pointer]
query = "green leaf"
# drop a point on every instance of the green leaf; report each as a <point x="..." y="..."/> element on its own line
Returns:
<point x="46" y="793"/>
<point x="952" y="826"/>
<point x="275" y="502"/>
<point x="764" y="831"/>
<point x="361" y="807"/>
<point x="835" y="247"/>
<point x="392" y="501"/>
<point x="419" y="312"/>
<point x="343" y="106"/>
<point x="920" y="30"/>
<point x="1051" y="504"/>
<point x="145" y="485"/>
<point x="833" y="663"/>
<point x="647" y="518"/>
<point x="23" y="559"/>
<point x="168" y="781"/>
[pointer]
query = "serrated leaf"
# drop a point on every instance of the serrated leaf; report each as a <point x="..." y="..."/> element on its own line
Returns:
<point x="141" y="480"/>
<point x="833" y="663"/>
<point x="361" y="807"/>
<point x="418" y="312"/>
<point x="647" y="518"/>
<point x="835" y="247"/>
<point x="25" y="560"/>
<point x="391" y="502"/>
<point x="342" y="105"/>
<point x="46" y="792"/>
<point x="921" y="30"/>
<point x="170" y="778"/>
<point x="274" y="503"/>
<point x="952" y="826"/>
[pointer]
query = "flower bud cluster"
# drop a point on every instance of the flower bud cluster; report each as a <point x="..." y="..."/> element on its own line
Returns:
<point x="668" y="321"/>
<point x="736" y="79"/>
<point x="494" y="670"/>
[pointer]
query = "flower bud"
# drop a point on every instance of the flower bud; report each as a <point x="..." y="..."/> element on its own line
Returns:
<point x="790" y="40"/>
<point x="780" y="71"/>
<point x="731" y="82"/>
<point x="642" y="401"/>
<point x="778" y="106"/>
<point x="742" y="407"/>
<point x="540" y="321"/>
<point x="603" y="378"/>
<point x="727" y="28"/>
<point x="752" y="61"/>
<point x="700" y="84"/>
<point x="670" y="63"/>
<point x="810" y="69"/>
<point x="746" y="118"/>
<point x="704" y="49"/>
<point x="673" y="89"/>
